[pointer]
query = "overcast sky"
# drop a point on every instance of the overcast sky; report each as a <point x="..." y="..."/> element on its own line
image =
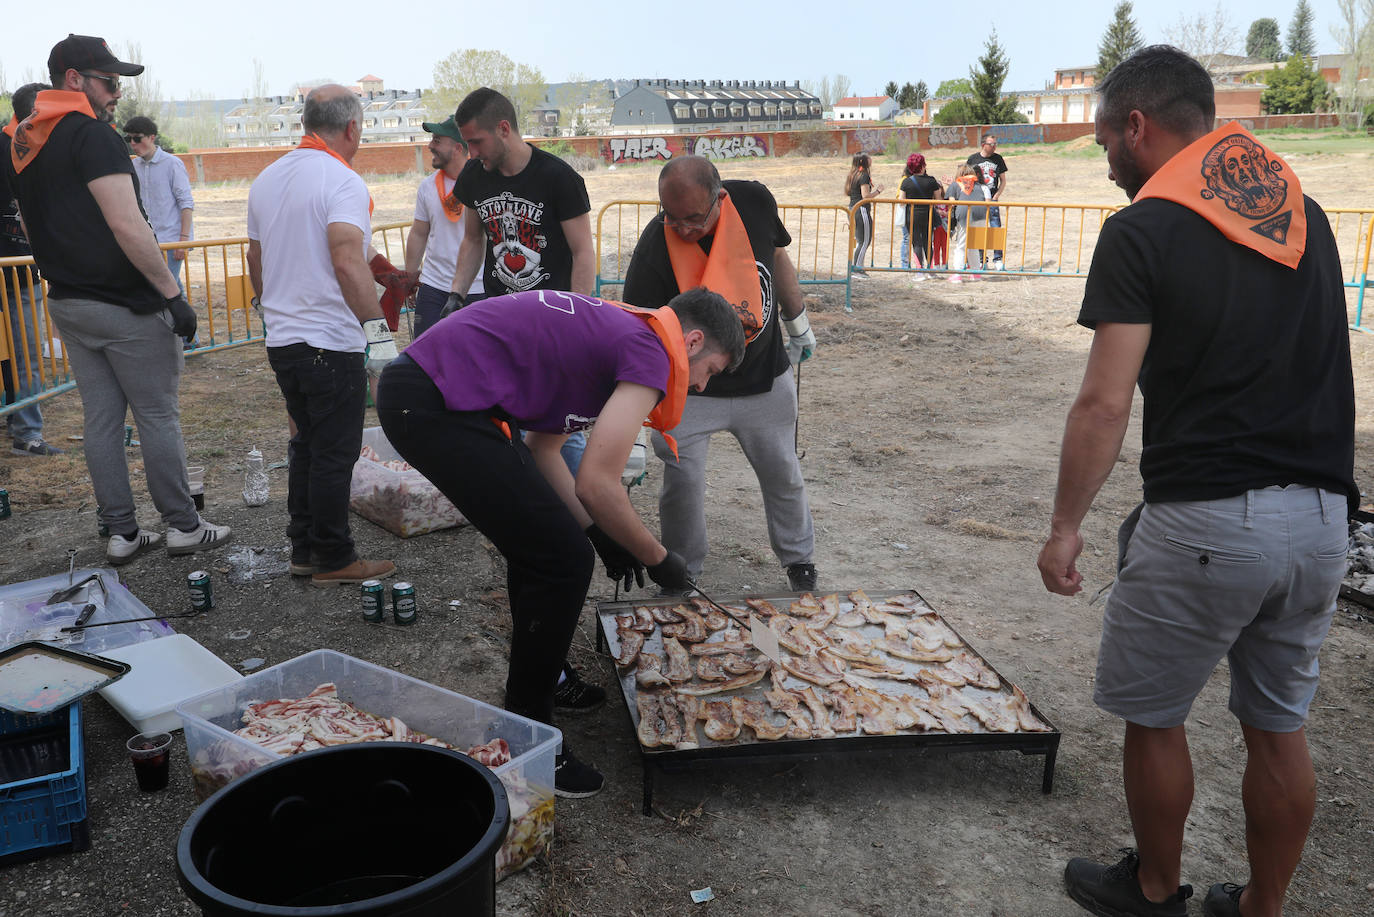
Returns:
<point x="188" y="50"/>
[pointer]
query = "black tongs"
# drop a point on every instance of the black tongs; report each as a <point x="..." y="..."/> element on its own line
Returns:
<point x="68" y="593"/>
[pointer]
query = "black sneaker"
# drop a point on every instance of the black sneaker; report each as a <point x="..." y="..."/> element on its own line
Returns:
<point x="574" y="780"/>
<point x="801" y="577"/>
<point x="1114" y="891"/>
<point x="34" y="447"/>
<point x="1223" y="900"/>
<point x="575" y="695"/>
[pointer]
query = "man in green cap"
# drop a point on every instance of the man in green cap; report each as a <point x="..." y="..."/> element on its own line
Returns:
<point x="438" y="229"/>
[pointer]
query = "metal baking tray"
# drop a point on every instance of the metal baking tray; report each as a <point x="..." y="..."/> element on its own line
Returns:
<point x="39" y="678"/>
<point x="662" y="759"/>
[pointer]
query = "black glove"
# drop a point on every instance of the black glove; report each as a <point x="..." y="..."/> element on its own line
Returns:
<point x="454" y="302"/>
<point x="183" y="316"/>
<point x="671" y="574"/>
<point x="621" y="566"/>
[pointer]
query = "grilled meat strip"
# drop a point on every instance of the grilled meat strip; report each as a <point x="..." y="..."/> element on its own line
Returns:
<point x="679" y="663"/>
<point x="754" y="714"/>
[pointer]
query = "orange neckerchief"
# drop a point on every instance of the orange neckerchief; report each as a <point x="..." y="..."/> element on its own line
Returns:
<point x="1242" y="188"/>
<point x="967" y="182"/>
<point x="453" y="208"/>
<point x="729" y="270"/>
<point x="49" y="107"/>
<point x="315" y="142"/>
<point x="667" y="414"/>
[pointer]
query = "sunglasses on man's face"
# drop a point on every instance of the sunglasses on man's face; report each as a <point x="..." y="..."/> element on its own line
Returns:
<point x="133" y="138"/>
<point x="109" y="80"/>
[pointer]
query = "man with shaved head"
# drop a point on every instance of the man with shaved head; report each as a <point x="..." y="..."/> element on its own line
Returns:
<point x="728" y="237"/>
<point x="309" y="223"/>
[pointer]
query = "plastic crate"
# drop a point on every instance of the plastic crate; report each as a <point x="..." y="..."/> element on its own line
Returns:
<point x="22" y="614"/>
<point x="404" y="503"/>
<point x="42" y="784"/>
<point x="218" y="756"/>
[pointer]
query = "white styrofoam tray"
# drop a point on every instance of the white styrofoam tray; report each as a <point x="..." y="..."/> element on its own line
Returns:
<point x="165" y="672"/>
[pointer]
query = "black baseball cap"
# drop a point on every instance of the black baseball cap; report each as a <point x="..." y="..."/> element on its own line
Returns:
<point x="86" y="52"/>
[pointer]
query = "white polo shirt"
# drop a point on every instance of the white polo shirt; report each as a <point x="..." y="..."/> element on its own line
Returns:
<point x="445" y="236"/>
<point x="290" y="206"/>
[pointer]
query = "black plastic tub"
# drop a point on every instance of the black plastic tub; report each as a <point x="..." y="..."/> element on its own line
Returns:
<point x="380" y="828"/>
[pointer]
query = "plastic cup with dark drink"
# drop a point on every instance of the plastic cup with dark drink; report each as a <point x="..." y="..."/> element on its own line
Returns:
<point x="150" y="753"/>
<point x="195" y="477"/>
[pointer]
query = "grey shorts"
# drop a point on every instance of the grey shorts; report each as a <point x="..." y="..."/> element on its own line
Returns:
<point x="1252" y="578"/>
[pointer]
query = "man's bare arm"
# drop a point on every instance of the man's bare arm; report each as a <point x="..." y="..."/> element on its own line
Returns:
<point x="351" y="270"/>
<point x="786" y="285"/>
<point x="471" y="252"/>
<point x="416" y="243"/>
<point x="598" y="477"/>
<point x="578" y="232"/>
<point x="1092" y="441"/>
<point x="255" y="266"/>
<point x="114" y="195"/>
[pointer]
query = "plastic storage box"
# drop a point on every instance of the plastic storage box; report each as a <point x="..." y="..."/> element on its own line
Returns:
<point x="218" y="756"/>
<point x="165" y="673"/>
<point x="23" y="616"/>
<point x="403" y="502"/>
<point x="42" y="785"/>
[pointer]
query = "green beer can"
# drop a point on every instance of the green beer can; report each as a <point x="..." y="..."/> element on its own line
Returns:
<point x="374" y="601"/>
<point x="202" y="595"/>
<point x="4" y="503"/>
<point x="403" y="603"/>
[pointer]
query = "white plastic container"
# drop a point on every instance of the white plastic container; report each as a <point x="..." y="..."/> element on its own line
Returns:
<point x="23" y="616"/>
<point x="218" y="756"/>
<point x="255" y="488"/>
<point x="165" y="673"/>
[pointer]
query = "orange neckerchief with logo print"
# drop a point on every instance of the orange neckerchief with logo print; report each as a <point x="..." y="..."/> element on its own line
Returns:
<point x="667" y="414"/>
<point x="453" y="208"/>
<point x="31" y="135"/>
<point x="1242" y="188"/>
<point x="729" y="270"/>
<point x="316" y="142"/>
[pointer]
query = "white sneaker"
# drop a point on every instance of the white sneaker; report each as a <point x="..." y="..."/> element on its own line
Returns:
<point x="202" y="538"/>
<point x="997" y="265"/>
<point x="120" y="550"/>
<point x="919" y="278"/>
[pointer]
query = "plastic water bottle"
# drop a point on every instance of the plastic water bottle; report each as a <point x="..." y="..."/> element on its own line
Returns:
<point x="634" y="465"/>
<point x="254" y="480"/>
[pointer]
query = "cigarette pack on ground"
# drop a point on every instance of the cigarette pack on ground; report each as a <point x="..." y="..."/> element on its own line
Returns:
<point x="219" y="754"/>
<point x="387" y="491"/>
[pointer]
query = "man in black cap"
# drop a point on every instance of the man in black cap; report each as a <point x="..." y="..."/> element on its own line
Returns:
<point x="110" y="293"/>
<point x="439" y="228"/>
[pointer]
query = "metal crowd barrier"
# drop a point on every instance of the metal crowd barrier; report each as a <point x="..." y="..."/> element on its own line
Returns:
<point x="215" y="275"/>
<point x="818" y="249"/>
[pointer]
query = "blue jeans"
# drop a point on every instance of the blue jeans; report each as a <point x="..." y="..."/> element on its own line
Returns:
<point x="429" y="302"/>
<point x="25" y="424"/>
<point x="325" y="393"/>
<point x="995" y="219"/>
<point x="906" y="246"/>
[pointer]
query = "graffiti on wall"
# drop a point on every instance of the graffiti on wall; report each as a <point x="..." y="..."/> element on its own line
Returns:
<point x="638" y="149"/>
<point x="874" y="139"/>
<point x="946" y="136"/>
<point x="1020" y="133"/>
<point x="731" y="146"/>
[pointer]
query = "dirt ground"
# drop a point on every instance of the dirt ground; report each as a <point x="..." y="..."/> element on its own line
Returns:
<point x="930" y="422"/>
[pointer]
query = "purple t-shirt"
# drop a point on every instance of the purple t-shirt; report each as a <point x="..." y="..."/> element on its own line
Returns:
<point x="546" y="359"/>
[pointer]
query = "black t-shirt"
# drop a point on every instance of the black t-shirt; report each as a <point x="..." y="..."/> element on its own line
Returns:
<point x="856" y="190"/>
<point x="1247" y="380"/>
<point x="523" y="215"/>
<point x="13" y="242"/>
<point x="72" y="243"/>
<point x="991" y="168"/>
<point x="650" y="283"/>
<point x="921" y="188"/>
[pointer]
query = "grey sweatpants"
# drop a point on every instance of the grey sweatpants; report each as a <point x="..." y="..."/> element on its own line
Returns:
<point x="764" y="425"/>
<point x="123" y="360"/>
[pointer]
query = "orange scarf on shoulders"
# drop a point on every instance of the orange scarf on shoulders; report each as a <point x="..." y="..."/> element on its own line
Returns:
<point x="316" y="142"/>
<point x="729" y="270"/>
<point x="31" y="135"/>
<point x="453" y="208"/>
<point x="1242" y="188"/>
<point x="667" y="414"/>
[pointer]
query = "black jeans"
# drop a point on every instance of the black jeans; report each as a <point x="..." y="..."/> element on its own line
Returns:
<point x="326" y="396"/>
<point x="494" y="482"/>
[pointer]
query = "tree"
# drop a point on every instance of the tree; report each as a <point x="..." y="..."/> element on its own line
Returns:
<point x="906" y="98"/>
<point x="1356" y="39"/>
<point x="956" y="111"/>
<point x="1295" y="89"/>
<point x="472" y="68"/>
<point x="1300" y="40"/>
<point x="139" y="95"/>
<point x="922" y="93"/>
<point x="1120" y="41"/>
<point x="829" y="90"/>
<point x="891" y="90"/>
<point x="1207" y="37"/>
<point x="987" y="104"/>
<point x="954" y="89"/>
<point x="1262" y="41"/>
